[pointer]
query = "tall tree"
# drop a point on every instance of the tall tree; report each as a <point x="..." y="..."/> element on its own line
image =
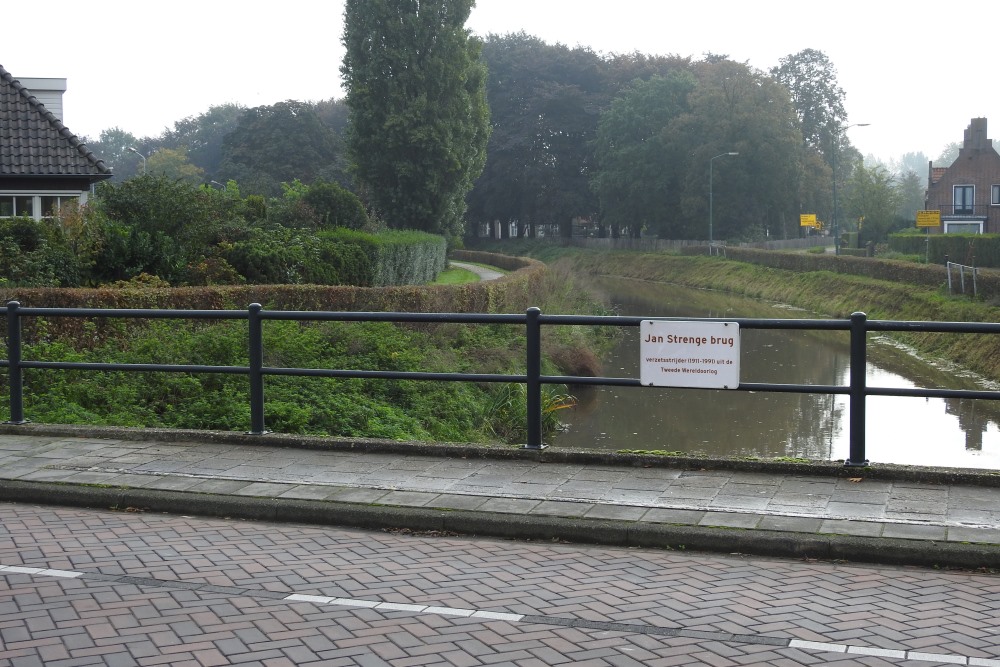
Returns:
<point x="948" y="154"/>
<point x="419" y="122"/>
<point x="911" y="190"/>
<point x="915" y="162"/>
<point x="736" y="108"/>
<point x="113" y="147"/>
<point x="811" y="79"/>
<point x="203" y="135"/>
<point x="873" y="202"/>
<point x="175" y="164"/>
<point x="639" y="166"/>
<point x="544" y="105"/>
<point x="334" y="114"/>
<point x="278" y="144"/>
<point x="625" y="68"/>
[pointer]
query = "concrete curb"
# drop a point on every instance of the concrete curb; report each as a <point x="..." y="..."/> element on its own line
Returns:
<point x="889" y="551"/>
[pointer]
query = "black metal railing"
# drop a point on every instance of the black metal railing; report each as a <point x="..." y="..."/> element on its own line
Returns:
<point x="976" y="211"/>
<point x="857" y="390"/>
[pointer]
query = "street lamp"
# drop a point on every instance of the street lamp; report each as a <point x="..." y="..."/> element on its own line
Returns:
<point x="833" y="164"/>
<point x="129" y="148"/>
<point x="710" y="212"/>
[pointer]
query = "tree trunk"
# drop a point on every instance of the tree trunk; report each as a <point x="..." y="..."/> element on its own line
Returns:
<point x="566" y="229"/>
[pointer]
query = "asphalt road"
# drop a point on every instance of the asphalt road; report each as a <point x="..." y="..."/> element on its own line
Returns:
<point x="95" y="587"/>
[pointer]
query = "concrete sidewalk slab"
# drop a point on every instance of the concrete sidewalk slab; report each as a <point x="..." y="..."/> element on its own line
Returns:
<point x="886" y="514"/>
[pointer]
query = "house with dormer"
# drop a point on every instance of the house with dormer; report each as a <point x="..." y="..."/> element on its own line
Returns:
<point x="968" y="192"/>
<point x="43" y="165"/>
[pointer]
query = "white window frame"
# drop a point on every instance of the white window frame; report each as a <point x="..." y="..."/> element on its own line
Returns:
<point x="948" y="224"/>
<point x="995" y="195"/>
<point x="37" y="195"/>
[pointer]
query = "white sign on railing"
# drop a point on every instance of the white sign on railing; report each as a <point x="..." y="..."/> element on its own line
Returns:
<point x="689" y="354"/>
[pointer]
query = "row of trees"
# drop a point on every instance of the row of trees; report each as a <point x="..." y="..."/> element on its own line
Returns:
<point x="259" y="148"/>
<point x="627" y="140"/>
<point x="444" y="133"/>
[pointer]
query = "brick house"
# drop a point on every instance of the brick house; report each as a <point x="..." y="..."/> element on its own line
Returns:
<point x="42" y="164"/>
<point x="968" y="192"/>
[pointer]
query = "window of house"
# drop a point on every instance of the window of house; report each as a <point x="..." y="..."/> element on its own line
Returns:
<point x="33" y="206"/>
<point x="963" y="227"/>
<point x="995" y="195"/>
<point x="51" y="205"/>
<point x="964" y="197"/>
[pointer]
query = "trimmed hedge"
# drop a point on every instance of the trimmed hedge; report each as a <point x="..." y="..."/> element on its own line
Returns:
<point x="933" y="276"/>
<point x="395" y="257"/>
<point x="513" y="293"/>
<point x="928" y="275"/>
<point x="285" y="256"/>
<point x="969" y="249"/>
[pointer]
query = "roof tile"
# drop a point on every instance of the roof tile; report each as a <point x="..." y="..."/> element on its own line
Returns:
<point x="33" y="142"/>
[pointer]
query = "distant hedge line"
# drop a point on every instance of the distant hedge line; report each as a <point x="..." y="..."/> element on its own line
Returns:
<point x="969" y="249"/>
<point x="928" y="275"/>
<point x="513" y="293"/>
<point x="933" y="276"/>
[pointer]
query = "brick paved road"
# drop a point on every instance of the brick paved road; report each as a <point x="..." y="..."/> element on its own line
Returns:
<point x="82" y="587"/>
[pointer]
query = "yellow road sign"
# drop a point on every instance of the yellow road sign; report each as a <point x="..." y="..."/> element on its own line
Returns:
<point x="928" y="218"/>
<point x="808" y="220"/>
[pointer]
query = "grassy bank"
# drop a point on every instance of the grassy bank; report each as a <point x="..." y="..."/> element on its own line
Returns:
<point x="825" y="293"/>
<point x="402" y="410"/>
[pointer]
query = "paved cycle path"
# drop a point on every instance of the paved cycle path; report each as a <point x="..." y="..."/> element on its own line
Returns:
<point x="889" y="515"/>
<point x="484" y="273"/>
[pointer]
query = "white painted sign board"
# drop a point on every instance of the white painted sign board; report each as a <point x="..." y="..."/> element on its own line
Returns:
<point x="705" y="355"/>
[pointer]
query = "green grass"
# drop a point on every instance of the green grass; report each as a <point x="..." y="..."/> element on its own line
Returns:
<point x="456" y="276"/>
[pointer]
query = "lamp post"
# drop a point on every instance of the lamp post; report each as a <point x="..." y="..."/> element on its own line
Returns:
<point x="833" y="164"/>
<point x="130" y="148"/>
<point x="710" y="212"/>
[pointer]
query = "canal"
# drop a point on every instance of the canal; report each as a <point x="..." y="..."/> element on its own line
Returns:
<point x="913" y="431"/>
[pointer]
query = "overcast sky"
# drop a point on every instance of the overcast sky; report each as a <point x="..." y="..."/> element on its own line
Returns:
<point x="142" y="65"/>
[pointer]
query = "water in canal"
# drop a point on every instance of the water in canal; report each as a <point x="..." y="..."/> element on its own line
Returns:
<point x="915" y="431"/>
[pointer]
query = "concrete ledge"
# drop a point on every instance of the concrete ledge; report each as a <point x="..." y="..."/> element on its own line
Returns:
<point x="929" y="475"/>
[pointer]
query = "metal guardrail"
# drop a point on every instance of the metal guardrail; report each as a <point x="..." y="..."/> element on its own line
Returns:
<point x="857" y="390"/>
<point x="962" y="270"/>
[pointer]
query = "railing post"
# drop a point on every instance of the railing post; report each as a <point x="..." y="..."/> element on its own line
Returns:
<point x="15" y="372"/>
<point x="534" y="385"/>
<point x="859" y="367"/>
<point x="256" y="341"/>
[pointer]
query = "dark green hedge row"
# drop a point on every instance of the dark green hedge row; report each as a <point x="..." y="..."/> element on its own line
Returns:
<point x="928" y="275"/>
<point x="968" y="249"/>
<point x="933" y="276"/>
<point x="513" y="293"/>
<point x="394" y="257"/>
<point x="285" y="256"/>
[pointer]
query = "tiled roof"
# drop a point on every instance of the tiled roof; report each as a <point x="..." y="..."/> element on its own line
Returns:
<point x="33" y="142"/>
